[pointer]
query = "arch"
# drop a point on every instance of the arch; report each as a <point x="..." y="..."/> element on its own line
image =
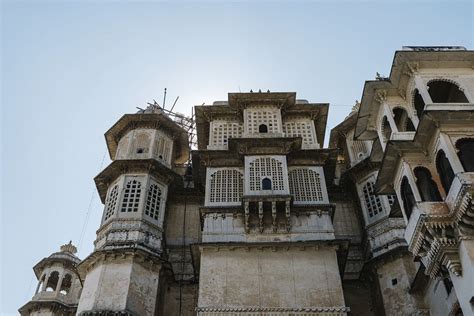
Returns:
<point x="465" y="149"/>
<point x="408" y="198"/>
<point x="418" y="103"/>
<point x="39" y="288"/>
<point x="266" y="167"/>
<point x="446" y="91"/>
<point x="52" y="282"/>
<point x="445" y="171"/>
<point x="402" y="120"/>
<point x="262" y="128"/>
<point x="386" y="129"/>
<point x="66" y="284"/>
<point x="266" y="184"/>
<point x="425" y="184"/>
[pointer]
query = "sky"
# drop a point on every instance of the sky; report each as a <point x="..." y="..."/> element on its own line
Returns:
<point x="70" y="69"/>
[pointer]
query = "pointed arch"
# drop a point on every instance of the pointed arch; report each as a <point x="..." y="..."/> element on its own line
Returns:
<point x="446" y="91"/>
<point x="426" y="186"/>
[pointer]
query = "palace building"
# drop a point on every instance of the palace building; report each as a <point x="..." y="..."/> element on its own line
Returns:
<point x="259" y="218"/>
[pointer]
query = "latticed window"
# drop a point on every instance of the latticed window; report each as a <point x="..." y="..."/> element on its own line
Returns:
<point x="300" y="129"/>
<point x="153" y="202"/>
<point x="266" y="167"/>
<point x="222" y="131"/>
<point x="111" y="203"/>
<point x="391" y="199"/>
<point x="258" y="117"/>
<point x="226" y="186"/>
<point x="358" y="148"/>
<point x="372" y="201"/>
<point x="305" y="185"/>
<point x="131" y="196"/>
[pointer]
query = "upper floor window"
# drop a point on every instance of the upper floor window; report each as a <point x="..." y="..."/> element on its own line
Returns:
<point x="111" y="203"/>
<point x="131" y="196"/>
<point x="52" y="282"/>
<point x="221" y="131"/>
<point x="465" y="149"/>
<point x="402" y="120"/>
<point x="305" y="185"/>
<point x="259" y="119"/>
<point x="408" y="198"/>
<point x="66" y="284"/>
<point x="266" y="184"/>
<point x="303" y="128"/>
<point x="426" y="186"/>
<point x="225" y="186"/>
<point x="153" y="201"/>
<point x="445" y="171"/>
<point x="373" y="203"/>
<point x="442" y="91"/>
<point x="266" y="167"/>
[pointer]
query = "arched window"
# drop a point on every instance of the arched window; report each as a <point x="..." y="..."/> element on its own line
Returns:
<point x="418" y="103"/>
<point x="466" y="153"/>
<point x="52" y="281"/>
<point x="111" y="203"/>
<point x="131" y="196"/>
<point x="263" y="128"/>
<point x="445" y="92"/>
<point x="386" y="129"/>
<point x="66" y="284"/>
<point x="408" y="198"/>
<point x="266" y="184"/>
<point x="266" y="167"/>
<point x="40" y="283"/>
<point x="445" y="170"/>
<point x="153" y="200"/>
<point x="426" y="186"/>
<point x="402" y="120"/>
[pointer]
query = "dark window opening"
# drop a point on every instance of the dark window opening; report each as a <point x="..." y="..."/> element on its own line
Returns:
<point x="263" y="128"/>
<point x="426" y="186"/>
<point x="466" y="153"/>
<point x="52" y="281"/>
<point x="266" y="184"/>
<point x="446" y="92"/>
<point x="140" y="151"/>
<point x="408" y="197"/>
<point x="402" y="120"/>
<point x="445" y="171"/>
<point x="418" y="103"/>
<point x="66" y="284"/>
<point x="160" y="157"/>
<point x="394" y="281"/>
<point x="39" y="288"/>
<point x="386" y="129"/>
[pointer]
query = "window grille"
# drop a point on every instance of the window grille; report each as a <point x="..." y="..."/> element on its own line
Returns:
<point x="226" y="186"/>
<point x="391" y="199"/>
<point x="153" y="202"/>
<point x="305" y="185"/>
<point x="111" y="203"/>
<point x="222" y="131"/>
<point x="131" y="196"/>
<point x="266" y="167"/>
<point x="269" y="117"/>
<point x="300" y="129"/>
<point x="372" y="201"/>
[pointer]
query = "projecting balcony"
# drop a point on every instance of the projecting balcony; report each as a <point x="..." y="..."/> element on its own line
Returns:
<point x="399" y="136"/>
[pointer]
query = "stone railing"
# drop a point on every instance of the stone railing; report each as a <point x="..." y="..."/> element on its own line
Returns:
<point x="273" y="311"/>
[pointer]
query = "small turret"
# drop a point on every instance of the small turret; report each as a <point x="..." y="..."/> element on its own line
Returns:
<point x="59" y="286"/>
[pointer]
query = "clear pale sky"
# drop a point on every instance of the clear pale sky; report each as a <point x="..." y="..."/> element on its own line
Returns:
<point x="70" y="69"/>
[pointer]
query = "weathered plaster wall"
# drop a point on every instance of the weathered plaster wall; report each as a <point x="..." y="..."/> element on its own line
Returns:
<point x="268" y="277"/>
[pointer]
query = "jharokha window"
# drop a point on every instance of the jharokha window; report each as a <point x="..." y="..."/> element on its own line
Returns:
<point x="131" y="196"/>
<point x="446" y="92"/>
<point x="426" y="186"/>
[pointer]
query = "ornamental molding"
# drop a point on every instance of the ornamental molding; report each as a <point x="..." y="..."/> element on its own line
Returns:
<point x="343" y="309"/>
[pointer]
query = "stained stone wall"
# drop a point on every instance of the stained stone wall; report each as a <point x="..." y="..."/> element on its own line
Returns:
<point x="269" y="278"/>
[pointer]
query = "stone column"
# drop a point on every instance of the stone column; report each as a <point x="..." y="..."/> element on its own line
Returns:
<point x="464" y="283"/>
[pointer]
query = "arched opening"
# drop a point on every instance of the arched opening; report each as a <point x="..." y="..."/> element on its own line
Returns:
<point x="40" y="284"/>
<point x="445" y="92"/>
<point x="266" y="184"/>
<point x="402" y="120"/>
<point x="66" y="284"/>
<point x="52" y="281"/>
<point x="445" y="171"/>
<point x="426" y="186"/>
<point x="466" y="153"/>
<point x="418" y="103"/>
<point x="386" y="129"/>
<point x="263" y="128"/>
<point x="408" y="197"/>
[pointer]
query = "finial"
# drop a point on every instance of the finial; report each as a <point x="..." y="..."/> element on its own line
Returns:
<point x="259" y="90"/>
<point x="251" y="91"/>
<point x="69" y="248"/>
